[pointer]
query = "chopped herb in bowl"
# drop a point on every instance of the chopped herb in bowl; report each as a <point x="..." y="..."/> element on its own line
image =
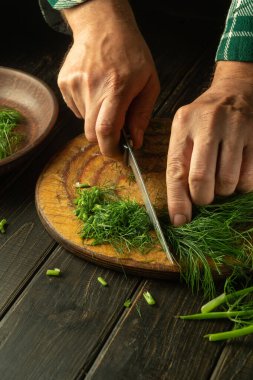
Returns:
<point x="10" y="139"/>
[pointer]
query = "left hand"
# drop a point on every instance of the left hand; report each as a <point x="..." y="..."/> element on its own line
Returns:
<point x="211" y="144"/>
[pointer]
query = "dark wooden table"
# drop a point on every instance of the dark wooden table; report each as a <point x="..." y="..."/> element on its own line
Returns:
<point x="72" y="327"/>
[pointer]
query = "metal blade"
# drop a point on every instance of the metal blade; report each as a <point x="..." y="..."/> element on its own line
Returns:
<point x="131" y="161"/>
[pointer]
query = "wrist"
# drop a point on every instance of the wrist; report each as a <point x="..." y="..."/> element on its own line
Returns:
<point x="233" y="71"/>
<point x="98" y="14"/>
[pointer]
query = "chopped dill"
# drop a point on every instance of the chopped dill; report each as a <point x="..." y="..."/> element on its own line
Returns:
<point x="128" y="303"/>
<point x="56" y="272"/>
<point x="109" y="220"/>
<point x="9" y="139"/>
<point x="102" y="281"/>
<point x="3" y="224"/>
<point x="149" y="298"/>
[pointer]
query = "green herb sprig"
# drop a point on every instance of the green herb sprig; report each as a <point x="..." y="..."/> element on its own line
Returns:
<point x="9" y="139"/>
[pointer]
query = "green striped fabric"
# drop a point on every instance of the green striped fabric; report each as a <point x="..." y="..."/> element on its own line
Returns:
<point x="236" y="43"/>
<point x="61" y="4"/>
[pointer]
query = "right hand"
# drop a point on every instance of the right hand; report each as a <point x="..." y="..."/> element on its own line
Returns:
<point x="108" y="77"/>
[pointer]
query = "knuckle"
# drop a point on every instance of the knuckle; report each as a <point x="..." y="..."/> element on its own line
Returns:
<point x="176" y="170"/>
<point x="198" y="177"/>
<point x="105" y="128"/>
<point x="183" y="114"/>
<point x="226" y="182"/>
<point x="245" y="185"/>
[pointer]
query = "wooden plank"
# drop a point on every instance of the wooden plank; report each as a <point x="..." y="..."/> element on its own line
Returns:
<point x="236" y="360"/>
<point x="26" y="246"/>
<point x="60" y="324"/>
<point x="156" y="345"/>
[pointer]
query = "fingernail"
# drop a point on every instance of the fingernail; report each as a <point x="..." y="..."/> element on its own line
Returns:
<point x="179" y="220"/>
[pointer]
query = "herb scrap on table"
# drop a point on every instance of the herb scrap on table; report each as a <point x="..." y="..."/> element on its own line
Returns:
<point x="3" y="224"/>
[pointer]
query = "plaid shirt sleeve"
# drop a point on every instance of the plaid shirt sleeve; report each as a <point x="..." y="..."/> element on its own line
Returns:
<point x="61" y="4"/>
<point x="236" y="43"/>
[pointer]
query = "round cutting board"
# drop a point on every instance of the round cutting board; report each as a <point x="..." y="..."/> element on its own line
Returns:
<point x="81" y="161"/>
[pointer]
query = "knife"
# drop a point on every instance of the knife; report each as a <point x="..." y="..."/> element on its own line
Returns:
<point x="130" y="160"/>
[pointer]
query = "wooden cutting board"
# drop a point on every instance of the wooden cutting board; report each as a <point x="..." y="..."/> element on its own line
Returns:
<point x="82" y="162"/>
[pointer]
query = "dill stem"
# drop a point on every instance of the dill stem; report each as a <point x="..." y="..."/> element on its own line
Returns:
<point x="218" y="314"/>
<point x="230" y="334"/>
<point x="222" y="298"/>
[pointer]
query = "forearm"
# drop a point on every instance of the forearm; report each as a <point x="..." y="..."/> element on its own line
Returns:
<point x="98" y="12"/>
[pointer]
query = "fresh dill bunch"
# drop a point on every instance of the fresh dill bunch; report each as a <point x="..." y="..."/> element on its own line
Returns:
<point x="219" y="235"/>
<point x="9" y="139"/>
<point x="109" y="220"/>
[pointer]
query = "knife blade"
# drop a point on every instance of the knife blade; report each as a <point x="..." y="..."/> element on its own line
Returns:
<point x="130" y="159"/>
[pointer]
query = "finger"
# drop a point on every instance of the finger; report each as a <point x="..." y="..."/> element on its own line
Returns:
<point x="140" y="110"/>
<point x="178" y="165"/>
<point x="229" y="166"/>
<point x="71" y="104"/>
<point x="202" y="169"/>
<point x="245" y="183"/>
<point x="110" y="121"/>
<point x="90" y="122"/>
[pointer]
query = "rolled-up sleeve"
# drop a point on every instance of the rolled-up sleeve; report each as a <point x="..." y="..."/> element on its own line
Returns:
<point x="236" y="43"/>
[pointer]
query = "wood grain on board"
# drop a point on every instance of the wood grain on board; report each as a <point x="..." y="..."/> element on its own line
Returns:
<point x="82" y="162"/>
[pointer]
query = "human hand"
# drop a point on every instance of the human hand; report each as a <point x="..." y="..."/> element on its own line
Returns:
<point x="108" y="77"/>
<point x="211" y="145"/>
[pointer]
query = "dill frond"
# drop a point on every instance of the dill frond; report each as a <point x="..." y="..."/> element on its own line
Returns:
<point x="219" y="235"/>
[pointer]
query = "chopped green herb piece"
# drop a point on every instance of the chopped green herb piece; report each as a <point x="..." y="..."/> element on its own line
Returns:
<point x="102" y="281"/>
<point x="149" y="299"/>
<point x="82" y="185"/>
<point x="128" y="303"/>
<point x="53" y="272"/>
<point x="3" y="223"/>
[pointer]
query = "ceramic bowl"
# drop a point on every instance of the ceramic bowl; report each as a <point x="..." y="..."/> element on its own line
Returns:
<point x="38" y="106"/>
